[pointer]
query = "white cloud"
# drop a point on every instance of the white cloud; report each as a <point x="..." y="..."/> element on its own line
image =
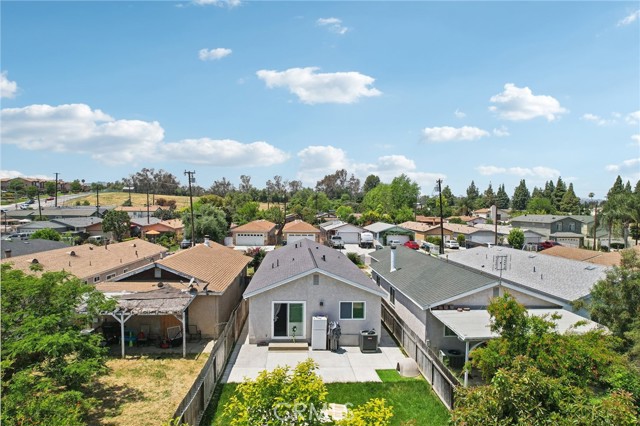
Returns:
<point x="12" y="174"/>
<point x="220" y="3"/>
<point x="501" y="132"/>
<point x="518" y="104"/>
<point x="8" y="88"/>
<point x="446" y="134"/>
<point x="318" y="161"/>
<point x="316" y="88"/>
<point x="79" y="129"/>
<point x="459" y="114"/>
<point x="332" y="24"/>
<point x="633" y="117"/>
<point x="636" y="138"/>
<point x="536" y="172"/>
<point x="223" y="153"/>
<point x="598" y="120"/>
<point x="632" y="163"/>
<point x="213" y="54"/>
<point x="629" y="19"/>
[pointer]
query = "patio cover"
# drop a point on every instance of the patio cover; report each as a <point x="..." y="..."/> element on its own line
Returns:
<point x="475" y="325"/>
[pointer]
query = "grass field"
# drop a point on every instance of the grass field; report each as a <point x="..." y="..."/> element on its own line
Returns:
<point x="413" y="401"/>
<point x="144" y="391"/>
<point x="118" y="198"/>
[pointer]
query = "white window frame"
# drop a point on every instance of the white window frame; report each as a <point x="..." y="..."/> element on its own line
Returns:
<point x="364" y="310"/>
<point x="111" y="275"/>
<point x="96" y="279"/>
<point x="304" y="319"/>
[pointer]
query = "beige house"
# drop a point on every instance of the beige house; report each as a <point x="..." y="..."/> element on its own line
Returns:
<point x="213" y="274"/>
<point x="298" y="230"/>
<point x="92" y="264"/>
<point x="257" y="233"/>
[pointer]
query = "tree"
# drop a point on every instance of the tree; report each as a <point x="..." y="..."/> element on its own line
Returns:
<point x="558" y="193"/>
<point x="209" y="220"/>
<point x="617" y="188"/>
<point x="540" y="206"/>
<point x="516" y="238"/>
<point x="273" y="214"/>
<point x="488" y="197"/>
<point x="502" y="199"/>
<point x="16" y="186"/>
<point x="472" y="192"/>
<point x="403" y="214"/>
<point x="45" y="234"/>
<point x="404" y="192"/>
<point x="117" y="222"/>
<point x="257" y="254"/>
<point x="31" y="191"/>
<point x="370" y="182"/>
<point x="615" y="300"/>
<point x="374" y="412"/>
<point x="245" y="184"/>
<point x="48" y="366"/>
<point x="446" y="193"/>
<point x="50" y="188"/>
<point x="221" y="187"/>
<point x="246" y="213"/>
<point x="343" y="212"/>
<point x="76" y="186"/>
<point x="520" y="196"/>
<point x="570" y="202"/>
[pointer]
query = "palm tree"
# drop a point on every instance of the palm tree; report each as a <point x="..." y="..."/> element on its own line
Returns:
<point x="609" y="216"/>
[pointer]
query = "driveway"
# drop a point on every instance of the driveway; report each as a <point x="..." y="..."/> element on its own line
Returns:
<point x="346" y="365"/>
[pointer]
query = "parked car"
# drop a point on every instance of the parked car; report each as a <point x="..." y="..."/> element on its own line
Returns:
<point x="412" y="245"/>
<point x="336" y="242"/>
<point x="366" y="240"/>
<point x="29" y="202"/>
<point x="50" y="198"/>
<point x="547" y="244"/>
<point x="451" y="244"/>
<point x="185" y="244"/>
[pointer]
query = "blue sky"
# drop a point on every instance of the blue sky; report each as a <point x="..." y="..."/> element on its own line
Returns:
<point x="485" y="91"/>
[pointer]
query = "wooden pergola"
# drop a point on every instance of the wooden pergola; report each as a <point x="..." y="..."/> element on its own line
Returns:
<point x="165" y="301"/>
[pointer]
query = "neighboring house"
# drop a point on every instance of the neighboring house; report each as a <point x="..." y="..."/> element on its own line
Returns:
<point x="430" y="295"/>
<point x="82" y="225"/>
<point x="38" y="183"/>
<point x="350" y="233"/>
<point x="299" y="229"/>
<point x="257" y="233"/>
<point x="93" y="264"/>
<point x="597" y="257"/>
<point x="421" y="230"/>
<point x="29" y="247"/>
<point x="214" y="274"/>
<point x="429" y="220"/>
<point x="567" y="230"/>
<point x="485" y="234"/>
<point x="383" y="232"/>
<point x="138" y="211"/>
<point x="469" y="220"/>
<point x="306" y="279"/>
<point x="503" y="215"/>
<point x="32" y="227"/>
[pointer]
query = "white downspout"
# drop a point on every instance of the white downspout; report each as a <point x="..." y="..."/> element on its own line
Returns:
<point x="466" y="359"/>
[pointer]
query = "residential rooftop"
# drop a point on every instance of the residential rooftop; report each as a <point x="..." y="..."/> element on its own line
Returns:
<point x="256" y="226"/>
<point x="299" y="226"/>
<point x="29" y="247"/>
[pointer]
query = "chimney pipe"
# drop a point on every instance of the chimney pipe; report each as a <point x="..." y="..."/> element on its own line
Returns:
<point x="206" y="241"/>
<point x="393" y="258"/>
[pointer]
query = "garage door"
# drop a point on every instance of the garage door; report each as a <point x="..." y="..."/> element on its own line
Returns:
<point x="402" y="238"/>
<point x="292" y="238"/>
<point x="248" y="239"/>
<point x="569" y="242"/>
<point x="350" y="237"/>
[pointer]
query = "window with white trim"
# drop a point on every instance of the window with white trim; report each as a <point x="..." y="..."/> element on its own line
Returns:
<point x="352" y="310"/>
<point x="96" y="279"/>
<point x="572" y="227"/>
<point x="559" y="227"/>
<point x="109" y="276"/>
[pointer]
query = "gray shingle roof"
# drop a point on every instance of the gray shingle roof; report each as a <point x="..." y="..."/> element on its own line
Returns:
<point x="538" y="218"/>
<point x="301" y="258"/>
<point x="424" y="279"/>
<point x="379" y="227"/>
<point x="560" y="278"/>
<point x="32" y="226"/>
<point x="20" y="248"/>
<point x="78" y="222"/>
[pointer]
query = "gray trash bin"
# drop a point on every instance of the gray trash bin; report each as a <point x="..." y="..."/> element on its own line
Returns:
<point x="368" y="341"/>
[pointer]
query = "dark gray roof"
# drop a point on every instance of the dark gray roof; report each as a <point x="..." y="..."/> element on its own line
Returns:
<point x="32" y="226"/>
<point x="583" y="218"/>
<point x="560" y="278"/>
<point x="538" y="218"/>
<point x="20" y="248"/>
<point x="142" y="221"/>
<point x="426" y="280"/>
<point x="78" y="222"/>
<point x="380" y="227"/>
<point x="566" y="235"/>
<point x="304" y="257"/>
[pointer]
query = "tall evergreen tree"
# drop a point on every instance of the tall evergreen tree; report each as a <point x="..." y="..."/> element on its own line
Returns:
<point x="617" y="188"/>
<point x="570" y="201"/>
<point x="520" y="196"/>
<point x="451" y="199"/>
<point x="502" y="199"/>
<point x="537" y="193"/>
<point x="549" y="189"/>
<point x="472" y="192"/>
<point x="489" y="197"/>
<point x="558" y="193"/>
<point x="370" y="182"/>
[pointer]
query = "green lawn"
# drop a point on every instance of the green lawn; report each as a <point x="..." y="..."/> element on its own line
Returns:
<point x="413" y="401"/>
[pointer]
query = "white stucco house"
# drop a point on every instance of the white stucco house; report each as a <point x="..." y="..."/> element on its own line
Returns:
<point x="306" y="279"/>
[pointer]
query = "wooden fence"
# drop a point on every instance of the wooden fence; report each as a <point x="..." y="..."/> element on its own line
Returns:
<point x="193" y="405"/>
<point x="437" y="374"/>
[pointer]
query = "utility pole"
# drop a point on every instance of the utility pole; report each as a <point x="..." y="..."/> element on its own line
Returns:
<point x="56" y="201"/>
<point x="39" y="205"/>
<point x="595" y="226"/>
<point x="441" y="218"/>
<point x="148" y="221"/>
<point x="193" y="224"/>
<point x="97" y="200"/>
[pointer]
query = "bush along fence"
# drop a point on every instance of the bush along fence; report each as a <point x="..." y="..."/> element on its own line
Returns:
<point x="437" y="374"/>
<point x="193" y="405"/>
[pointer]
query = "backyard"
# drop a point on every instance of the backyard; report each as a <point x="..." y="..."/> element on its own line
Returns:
<point x="145" y="390"/>
<point x="413" y="401"/>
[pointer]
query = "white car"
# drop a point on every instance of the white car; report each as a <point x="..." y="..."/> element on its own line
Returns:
<point x="451" y="244"/>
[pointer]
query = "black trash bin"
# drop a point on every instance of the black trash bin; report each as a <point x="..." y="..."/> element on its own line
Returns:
<point x="368" y="341"/>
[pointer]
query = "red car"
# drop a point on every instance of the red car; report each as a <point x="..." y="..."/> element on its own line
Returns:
<point x="50" y="199"/>
<point x="412" y="245"/>
<point x="547" y="244"/>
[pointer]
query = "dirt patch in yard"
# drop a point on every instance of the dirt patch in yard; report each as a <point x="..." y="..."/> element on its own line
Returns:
<point x="144" y="391"/>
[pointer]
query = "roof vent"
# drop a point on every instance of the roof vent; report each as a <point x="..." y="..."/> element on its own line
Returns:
<point x="35" y="261"/>
<point x="72" y="253"/>
<point x="160" y="284"/>
<point x="590" y="268"/>
<point x="90" y="247"/>
<point x="324" y="257"/>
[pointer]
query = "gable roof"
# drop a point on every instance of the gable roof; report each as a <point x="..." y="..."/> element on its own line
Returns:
<point x="89" y="260"/>
<point x="21" y="248"/>
<point x="538" y="218"/>
<point x="562" y="279"/>
<point x="78" y="222"/>
<point x="584" y="255"/>
<point x="299" y="226"/>
<point x="260" y="225"/>
<point x="302" y="258"/>
<point x="173" y="223"/>
<point x="152" y="208"/>
<point x="416" y="226"/>
<point x="144" y="221"/>
<point x="426" y="280"/>
<point x="212" y="264"/>
<point x="43" y="224"/>
<point x="379" y="227"/>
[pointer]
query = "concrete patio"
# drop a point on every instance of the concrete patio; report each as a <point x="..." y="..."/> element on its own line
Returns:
<point x="346" y="365"/>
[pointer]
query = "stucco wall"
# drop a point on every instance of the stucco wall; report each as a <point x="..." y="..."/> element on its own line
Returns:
<point x="330" y="291"/>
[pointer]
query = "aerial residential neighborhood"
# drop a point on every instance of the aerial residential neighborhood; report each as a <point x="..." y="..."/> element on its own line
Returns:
<point x="232" y="212"/>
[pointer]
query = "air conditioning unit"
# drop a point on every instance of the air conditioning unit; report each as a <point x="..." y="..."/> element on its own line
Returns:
<point x="368" y="341"/>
